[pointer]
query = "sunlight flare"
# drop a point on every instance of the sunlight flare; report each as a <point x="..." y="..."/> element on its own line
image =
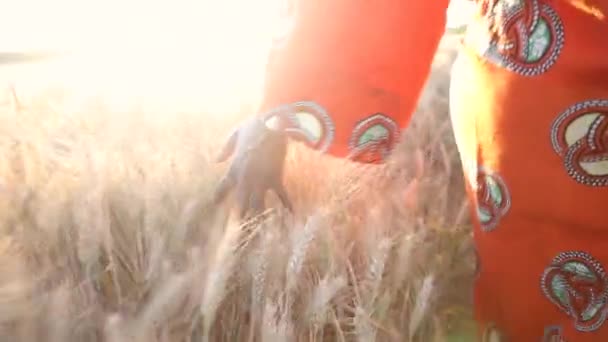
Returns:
<point x="202" y="55"/>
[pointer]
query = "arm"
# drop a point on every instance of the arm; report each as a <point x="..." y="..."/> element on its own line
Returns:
<point x="348" y="76"/>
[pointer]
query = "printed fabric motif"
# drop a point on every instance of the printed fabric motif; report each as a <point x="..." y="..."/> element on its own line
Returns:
<point x="580" y="136"/>
<point x="305" y="121"/>
<point x="493" y="199"/>
<point x="373" y="139"/>
<point x="523" y="36"/>
<point x="577" y="284"/>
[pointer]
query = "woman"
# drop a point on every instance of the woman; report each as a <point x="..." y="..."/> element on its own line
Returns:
<point x="529" y="106"/>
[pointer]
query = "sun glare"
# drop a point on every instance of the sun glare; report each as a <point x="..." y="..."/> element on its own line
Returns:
<point x="203" y="55"/>
<point x="167" y="55"/>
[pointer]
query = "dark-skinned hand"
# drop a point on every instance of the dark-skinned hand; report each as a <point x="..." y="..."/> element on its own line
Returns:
<point x="258" y="156"/>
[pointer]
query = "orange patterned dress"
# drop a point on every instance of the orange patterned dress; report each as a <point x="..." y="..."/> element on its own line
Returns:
<point x="529" y="106"/>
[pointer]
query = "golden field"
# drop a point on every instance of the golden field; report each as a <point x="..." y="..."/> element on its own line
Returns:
<point x="108" y="234"/>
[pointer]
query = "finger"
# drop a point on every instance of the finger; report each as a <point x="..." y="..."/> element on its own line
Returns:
<point x="279" y="189"/>
<point x="224" y="187"/>
<point x="228" y="147"/>
<point x="243" y="197"/>
<point x="298" y="135"/>
<point x="243" y="212"/>
<point x="256" y="203"/>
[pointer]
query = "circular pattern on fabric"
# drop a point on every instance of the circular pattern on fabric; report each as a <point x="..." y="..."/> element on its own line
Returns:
<point x="373" y="139"/>
<point x="553" y="334"/>
<point x="580" y="136"/>
<point x="305" y="121"/>
<point x="577" y="284"/>
<point x="493" y="197"/>
<point x="529" y="35"/>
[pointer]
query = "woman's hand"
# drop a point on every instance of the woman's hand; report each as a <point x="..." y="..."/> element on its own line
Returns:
<point x="258" y="156"/>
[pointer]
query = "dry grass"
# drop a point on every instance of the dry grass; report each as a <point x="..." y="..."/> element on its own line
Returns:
<point x="108" y="235"/>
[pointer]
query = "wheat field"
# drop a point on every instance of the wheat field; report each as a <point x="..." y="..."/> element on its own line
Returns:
<point x="108" y="234"/>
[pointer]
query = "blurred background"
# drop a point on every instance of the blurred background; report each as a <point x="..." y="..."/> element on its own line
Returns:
<point x="199" y="55"/>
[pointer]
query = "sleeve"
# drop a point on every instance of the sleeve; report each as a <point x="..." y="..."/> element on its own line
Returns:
<point x="348" y="73"/>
